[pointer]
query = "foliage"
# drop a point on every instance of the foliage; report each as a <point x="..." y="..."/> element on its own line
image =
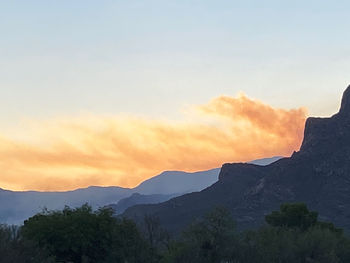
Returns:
<point x="298" y="216"/>
<point x="208" y="240"/>
<point x="157" y="237"/>
<point x="289" y="245"/>
<point x="13" y="248"/>
<point x="292" y="215"/>
<point x="82" y="235"/>
<point x="294" y="235"/>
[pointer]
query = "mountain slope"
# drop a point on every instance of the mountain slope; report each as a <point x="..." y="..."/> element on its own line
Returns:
<point x="266" y="161"/>
<point x="17" y="206"/>
<point x="137" y="198"/>
<point x="170" y="182"/>
<point x="319" y="175"/>
<point x="174" y="181"/>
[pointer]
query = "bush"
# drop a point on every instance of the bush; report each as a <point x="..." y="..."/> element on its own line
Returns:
<point x="84" y="235"/>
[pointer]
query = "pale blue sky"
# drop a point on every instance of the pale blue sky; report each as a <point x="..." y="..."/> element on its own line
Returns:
<point x="154" y="57"/>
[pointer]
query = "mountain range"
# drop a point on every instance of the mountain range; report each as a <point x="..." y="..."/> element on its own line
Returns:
<point x="168" y="182"/>
<point x="318" y="175"/>
<point x="16" y="206"/>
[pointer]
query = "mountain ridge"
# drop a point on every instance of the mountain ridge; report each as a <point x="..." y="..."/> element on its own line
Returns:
<point x="19" y="205"/>
<point x="318" y="174"/>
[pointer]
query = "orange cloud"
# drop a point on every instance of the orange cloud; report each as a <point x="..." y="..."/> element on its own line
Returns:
<point x="123" y="151"/>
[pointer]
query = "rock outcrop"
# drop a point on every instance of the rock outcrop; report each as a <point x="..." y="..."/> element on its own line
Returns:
<point x="319" y="175"/>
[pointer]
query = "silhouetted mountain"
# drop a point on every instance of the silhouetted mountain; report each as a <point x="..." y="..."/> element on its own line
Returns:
<point x="137" y="198"/>
<point x="17" y="206"/>
<point x="266" y="161"/>
<point x="319" y="175"/>
<point x="175" y="182"/>
<point x="165" y="186"/>
<point x="171" y="182"/>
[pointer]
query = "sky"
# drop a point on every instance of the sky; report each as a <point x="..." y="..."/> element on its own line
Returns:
<point x="114" y="92"/>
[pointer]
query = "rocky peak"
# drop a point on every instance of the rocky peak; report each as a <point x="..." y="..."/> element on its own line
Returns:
<point x="318" y="175"/>
<point x="345" y="104"/>
<point x="326" y="134"/>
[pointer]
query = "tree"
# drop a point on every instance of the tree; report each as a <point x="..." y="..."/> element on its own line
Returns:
<point x="84" y="235"/>
<point x="292" y="245"/>
<point x="294" y="235"/>
<point x="292" y="216"/>
<point x="297" y="215"/>
<point x="212" y="239"/>
<point x="13" y="248"/>
<point x="156" y="236"/>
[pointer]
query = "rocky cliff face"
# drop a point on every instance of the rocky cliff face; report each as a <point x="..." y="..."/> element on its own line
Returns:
<point x="319" y="175"/>
<point x="345" y="104"/>
<point x="325" y="134"/>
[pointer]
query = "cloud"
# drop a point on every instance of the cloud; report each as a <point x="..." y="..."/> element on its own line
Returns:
<point x="69" y="153"/>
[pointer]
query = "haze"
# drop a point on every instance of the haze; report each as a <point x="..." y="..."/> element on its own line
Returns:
<point x="114" y="92"/>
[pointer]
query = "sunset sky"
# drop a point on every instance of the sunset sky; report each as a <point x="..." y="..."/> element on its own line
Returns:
<point x="114" y="92"/>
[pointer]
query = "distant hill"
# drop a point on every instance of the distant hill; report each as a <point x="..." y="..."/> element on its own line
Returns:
<point x="17" y="206"/>
<point x="171" y="182"/>
<point x="266" y="161"/>
<point x="136" y="199"/>
<point x="165" y="186"/>
<point x="319" y="175"/>
<point x="174" y="182"/>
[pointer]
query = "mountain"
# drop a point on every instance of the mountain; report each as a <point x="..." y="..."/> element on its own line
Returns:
<point x="165" y="186"/>
<point x="266" y="161"/>
<point x="319" y="175"/>
<point x="17" y="206"/>
<point x="174" y="182"/>
<point x="171" y="182"/>
<point x="137" y="198"/>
